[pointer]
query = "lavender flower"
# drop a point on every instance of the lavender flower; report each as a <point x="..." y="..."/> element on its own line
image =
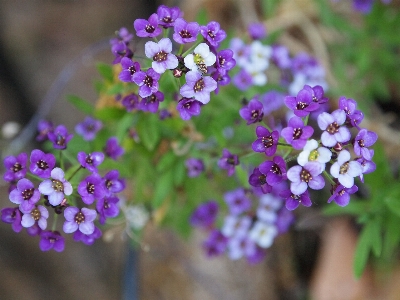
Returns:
<point x="120" y="50"/>
<point x="266" y="141"/>
<point x="228" y="161"/>
<point x="305" y="176"/>
<point x="107" y="208"/>
<point x="237" y="201"/>
<point x="51" y="240"/>
<point x="112" y="183"/>
<point x="12" y="216"/>
<point x="258" y="179"/>
<point x="168" y="15"/>
<point x="185" y="32"/>
<point x="274" y="169"/>
<point x="194" y="166"/>
<point x="56" y="188"/>
<point x="341" y="194"/>
<point x="91" y="188"/>
<point x="353" y="116"/>
<point x="147" y="82"/>
<point x="364" y="139"/>
<point x="303" y="103"/>
<point x="87" y="239"/>
<point x="60" y="137"/>
<point x="152" y="102"/>
<point x="205" y="214"/>
<point x="41" y="163"/>
<point x="25" y="195"/>
<point x="243" y="80"/>
<point x="161" y="54"/>
<point x="44" y="127"/>
<point x="79" y="219"/>
<point x="215" y="244"/>
<point x="293" y="201"/>
<point x="268" y="207"/>
<point x="129" y="68"/>
<point x="257" y="30"/>
<point x="333" y="131"/>
<point x="271" y="100"/>
<point x="88" y="128"/>
<point x="130" y="102"/>
<point x="281" y="57"/>
<point x="345" y="170"/>
<point x="253" y="112"/>
<point x="198" y="87"/>
<point x="213" y="33"/>
<point x="147" y="28"/>
<point x="15" y="167"/>
<point x="296" y="133"/>
<point x="113" y="149"/>
<point x="188" y="107"/>
<point x="225" y="60"/>
<point x="90" y="161"/>
<point x="39" y="214"/>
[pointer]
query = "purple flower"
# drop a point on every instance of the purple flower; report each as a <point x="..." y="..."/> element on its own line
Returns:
<point x="285" y="219"/>
<point x="296" y="133"/>
<point x="113" y="149"/>
<point x="147" y="28"/>
<point x="56" y="188"/>
<point x="237" y="201"/>
<point x="91" y="188"/>
<point x="120" y="50"/>
<point x="345" y="170"/>
<point x="306" y="176"/>
<point x="204" y="215"/>
<point x="130" y="102"/>
<point x="185" y="32"/>
<point x="243" y="80"/>
<point x="123" y="35"/>
<point x="168" y="15"/>
<point x="293" y="201"/>
<point x="258" y="179"/>
<point x="44" y="127"/>
<point x="60" y="137"/>
<point x="363" y="6"/>
<point x="253" y="112"/>
<point x="266" y="141"/>
<point x="188" y="107"/>
<point x="41" y="163"/>
<point x="257" y="30"/>
<point x="34" y="230"/>
<point x="272" y="100"/>
<point x="228" y="161"/>
<point x="353" y="116"/>
<point x="51" y="240"/>
<point x="317" y="94"/>
<point x="25" y="195"/>
<point x="274" y="169"/>
<point x="151" y="102"/>
<point x="215" y="244"/>
<point x="303" y="103"/>
<point x="147" y="82"/>
<point x="161" y="55"/>
<point x="364" y="139"/>
<point x="90" y="161"/>
<point x="112" y="183"/>
<point x="198" y="87"/>
<point x="38" y="215"/>
<point x="15" y="167"/>
<point x="368" y="166"/>
<point x="87" y="239"/>
<point x="213" y="33"/>
<point x="79" y="219"/>
<point x="334" y="132"/>
<point x="107" y="208"/>
<point x="88" y="128"/>
<point x="341" y="194"/>
<point x="281" y="57"/>
<point x="225" y="60"/>
<point x="129" y="68"/>
<point x="194" y="166"/>
<point x="12" y="216"/>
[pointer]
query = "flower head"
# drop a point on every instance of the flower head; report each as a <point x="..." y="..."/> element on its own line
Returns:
<point x="129" y="68"/>
<point x="237" y="201"/>
<point x="88" y="128"/>
<point x="200" y="59"/>
<point x="274" y="169"/>
<point x="147" y="82"/>
<point x="41" y="163"/>
<point x="44" y="127"/>
<point x="345" y="169"/>
<point x="266" y="141"/>
<point x="113" y="149"/>
<point x="205" y="214"/>
<point x="311" y="152"/>
<point x="364" y="139"/>
<point x="213" y="33"/>
<point x="168" y="15"/>
<point x="25" y="194"/>
<point x="185" y="32"/>
<point x="303" y="103"/>
<point x="341" y="194"/>
<point x="152" y="102"/>
<point x="87" y="239"/>
<point x="257" y="30"/>
<point x="15" y="167"/>
<point x="147" y="28"/>
<point x="12" y="216"/>
<point x="90" y="161"/>
<point x="112" y="183"/>
<point x="293" y="201"/>
<point x="161" y="55"/>
<point x="188" y="107"/>
<point x="56" y="188"/>
<point x="333" y="131"/>
<point x="107" y="208"/>
<point x="38" y="215"/>
<point x="198" y="87"/>
<point x="91" y="188"/>
<point x="302" y="177"/>
<point x="60" y="137"/>
<point x="253" y="112"/>
<point x="79" y="219"/>
<point x="194" y="166"/>
<point x="51" y="240"/>
<point x="228" y="161"/>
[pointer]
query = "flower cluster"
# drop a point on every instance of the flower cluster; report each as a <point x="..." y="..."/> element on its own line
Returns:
<point x="38" y="185"/>
<point x="204" y="65"/>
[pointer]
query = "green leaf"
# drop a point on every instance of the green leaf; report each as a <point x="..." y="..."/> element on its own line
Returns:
<point x="124" y="124"/>
<point x="242" y="176"/>
<point x="81" y="104"/>
<point x="179" y="172"/>
<point x="109" y="113"/>
<point x="362" y="252"/>
<point x="166" y="161"/>
<point x="163" y="187"/>
<point x="392" y="199"/>
<point x="148" y="130"/>
<point x="391" y="236"/>
<point x="105" y="71"/>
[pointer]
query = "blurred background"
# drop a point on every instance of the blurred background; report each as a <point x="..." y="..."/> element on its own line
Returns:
<point x="48" y="49"/>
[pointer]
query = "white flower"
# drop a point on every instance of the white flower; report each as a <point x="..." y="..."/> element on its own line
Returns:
<point x="201" y="58"/>
<point x="236" y="226"/>
<point x="268" y="207"/>
<point x="263" y="234"/>
<point x="311" y="152"/>
<point x="345" y="170"/>
<point x="136" y="216"/>
<point x="259" y="56"/>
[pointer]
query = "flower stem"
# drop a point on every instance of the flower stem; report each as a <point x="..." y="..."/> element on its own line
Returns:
<point x="73" y="174"/>
<point x="53" y="227"/>
<point x="191" y="48"/>
<point x="329" y="177"/>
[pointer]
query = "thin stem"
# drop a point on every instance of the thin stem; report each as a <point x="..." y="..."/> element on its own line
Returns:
<point x="53" y="227"/>
<point x="61" y="160"/>
<point x="73" y="174"/>
<point x="191" y="48"/>
<point x="329" y="177"/>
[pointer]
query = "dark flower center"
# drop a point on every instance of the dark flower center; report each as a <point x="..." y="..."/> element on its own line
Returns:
<point x="262" y="179"/>
<point x="211" y="34"/>
<point x="106" y="205"/>
<point x="297" y="132"/>
<point x="315" y="99"/>
<point x="27" y="194"/>
<point x="149" y="28"/>
<point x="132" y="70"/>
<point x="89" y="160"/>
<point x="275" y="169"/>
<point x="58" y="186"/>
<point x="187" y="105"/>
<point x="36" y="214"/>
<point x="361" y="143"/>
<point x="16" y="167"/>
<point x="342" y="192"/>
<point x="267" y="141"/>
<point x="199" y="85"/>
<point x="167" y="19"/>
<point x="344" y="168"/>
<point x="42" y="165"/>
<point x="152" y="99"/>
<point x="305" y="176"/>
<point x="185" y="34"/>
<point x="333" y="128"/>
<point x="108" y="183"/>
<point x="301" y="105"/>
<point x="255" y="114"/>
<point x="79" y="218"/>
<point x="221" y="61"/>
<point x="90" y="188"/>
<point x="148" y="81"/>
<point x="295" y="197"/>
<point x="60" y="140"/>
<point x="231" y="161"/>
<point x="160" y="56"/>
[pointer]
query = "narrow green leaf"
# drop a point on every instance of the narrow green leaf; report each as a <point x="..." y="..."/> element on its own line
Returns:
<point x="393" y="199"/>
<point x="166" y="161"/>
<point x="124" y="124"/>
<point x="362" y="251"/>
<point x="81" y="104"/>
<point x="105" y="71"/>
<point x="148" y="130"/>
<point x="109" y="113"/>
<point x="179" y="172"/>
<point x="163" y="187"/>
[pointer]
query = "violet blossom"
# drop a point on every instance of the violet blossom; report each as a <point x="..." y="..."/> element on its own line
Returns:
<point x="88" y="128"/>
<point x="364" y="139"/>
<point x="44" y="127"/>
<point x="161" y="55"/>
<point x="198" y="87"/>
<point x="302" y="177"/>
<point x="168" y="15"/>
<point x="113" y="149"/>
<point x="147" y="82"/>
<point x="55" y="188"/>
<point x="129" y="68"/>
<point x="204" y="215"/>
<point x="41" y="163"/>
<point x="107" y="208"/>
<point x="274" y="169"/>
<point x="112" y="184"/>
<point x="296" y="133"/>
<point x="228" y="161"/>
<point x="79" y="219"/>
<point x="293" y="200"/>
<point x="12" y="216"/>
<point x="303" y="103"/>
<point x="152" y="102"/>
<point x="185" y="32"/>
<point x="341" y="194"/>
<point x="188" y="107"/>
<point x="51" y="240"/>
<point x="25" y="194"/>
<point x="37" y="215"/>
<point x="266" y="141"/>
<point x="90" y="161"/>
<point x="252" y="112"/>
<point x="213" y="33"/>
<point x="15" y="167"/>
<point x="258" y="179"/>
<point x="147" y="28"/>
<point x="87" y="239"/>
<point x="333" y="131"/>
<point x="130" y="102"/>
<point x="345" y="169"/>
<point x="194" y="166"/>
<point x="91" y="188"/>
<point x="237" y="201"/>
<point x="60" y="137"/>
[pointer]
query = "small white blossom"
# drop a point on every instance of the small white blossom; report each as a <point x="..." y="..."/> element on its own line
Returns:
<point x="345" y="170"/>
<point x="268" y="207"/>
<point x="136" y="216"/>
<point x="263" y="234"/>
<point x="202" y="57"/>
<point x="311" y="152"/>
